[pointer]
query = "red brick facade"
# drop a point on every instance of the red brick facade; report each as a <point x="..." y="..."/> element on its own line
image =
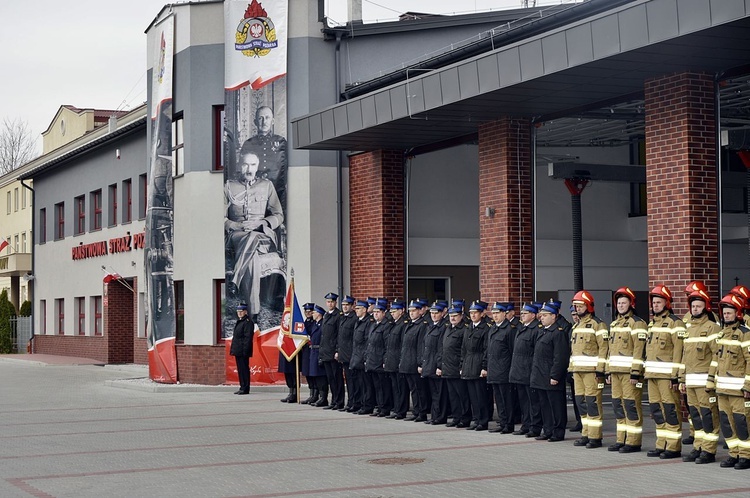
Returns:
<point x="683" y="240"/>
<point x="201" y="364"/>
<point x="376" y="203"/>
<point x="115" y="346"/>
<point x="505" y="238"/>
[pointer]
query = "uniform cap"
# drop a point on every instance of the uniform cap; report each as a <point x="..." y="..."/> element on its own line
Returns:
<point x="437" y="307"/>
<point x="476" y="306"/>
<point x="397" y="305"/>
<point x="380" y="306"/>
<point x="416" y="304"/>
<point x="455" y="310"/>
<point x="319" y="309"/>
<point x="549" y="308"/>
<point x="530" y="308"/>
<point x="242" y="306"/>
<point x="498" y="306"/>
<point x="332" y="295"/>
<point x="361" y="304"/>
<point x="371" y="300"/>
<point x="308" y="306"/>
<point x="347" y="300"/>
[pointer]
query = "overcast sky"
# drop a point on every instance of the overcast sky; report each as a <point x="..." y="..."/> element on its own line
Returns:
<point x="92" y="53"/>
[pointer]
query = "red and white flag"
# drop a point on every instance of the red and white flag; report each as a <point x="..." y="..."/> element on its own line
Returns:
<point x="292" y="335"/>
<point x="3" y="243"/>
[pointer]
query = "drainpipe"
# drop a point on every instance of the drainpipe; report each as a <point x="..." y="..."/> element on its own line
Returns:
<point x="30" y="283"/>
<point x="575" y="187"/>
<point x="339" y="180"/>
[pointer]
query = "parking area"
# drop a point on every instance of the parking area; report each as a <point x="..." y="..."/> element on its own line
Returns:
<point x="64" y="432"/>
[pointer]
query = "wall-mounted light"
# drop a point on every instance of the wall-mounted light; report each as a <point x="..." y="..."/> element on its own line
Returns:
<point x="489" y="212"/>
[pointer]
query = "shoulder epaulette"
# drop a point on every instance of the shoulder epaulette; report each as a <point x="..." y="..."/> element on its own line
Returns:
<point x="596" y="319"/>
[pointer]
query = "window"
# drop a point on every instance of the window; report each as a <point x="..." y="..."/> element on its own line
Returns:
<point x="218" y="138"/>
<point x="43" y="316"/>
<point x="97" y="315"/>
<point x="80" y="203"/>
<point x="220" y="306"/>
<point x="60" y="311"/>
<point x="178" y="148"/>
<point x="112" y="217"/>
<point x="15" y="199"/>
<point x="7" y="250"/>
<point x="23" y="198"/>
<point x="60" y="223"/>
<point x="143" y="185"/>
<point x="23" y="242"/>
<point x="127" y="200"/>
<point x="43" y="225"/>
<point x="9" y="202"/>
<point x="96" y="209"/>
<point x="81" y="312"/>
<point x="15" y="243"/>
<point x="179" y="298"/>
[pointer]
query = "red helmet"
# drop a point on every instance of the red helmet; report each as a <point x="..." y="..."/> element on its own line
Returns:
<point x="663" y="292"/>
<point x="695" y="285"/>
<point x="584" y="297"/>
<point x="625" y="292"/>
<point x="741" y="291"/>
<point x="732" y="301"/>
<point x="702" y="295"/>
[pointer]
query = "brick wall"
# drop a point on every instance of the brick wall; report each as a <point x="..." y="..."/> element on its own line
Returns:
<point x="505" y="240"/>
<point x="79" y="346"/>
<point x="140" y="350"/>
<point x="376" y="203"/>
<point x="683" y="240"/>
<point x="201" y="364"/>
<point x="119" y="323"/>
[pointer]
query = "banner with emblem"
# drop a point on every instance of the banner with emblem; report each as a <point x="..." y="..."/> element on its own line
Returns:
<point x="255" y="163"/>
<point x="160" y="305"/>
<point x="292" y="334"/>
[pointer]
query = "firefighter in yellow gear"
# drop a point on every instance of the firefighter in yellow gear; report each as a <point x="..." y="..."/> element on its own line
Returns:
<point x="695" y="285"/>
<point x="627" y="349"/>
<point x="744" y="294"/>
<point x="589" y="346"/>
<point x="699" y="346"/>
<point x="663" y="362"/>
<point x="730" y="376"/>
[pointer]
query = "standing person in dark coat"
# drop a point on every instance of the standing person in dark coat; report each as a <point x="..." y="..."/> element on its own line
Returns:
<point x="474" y="366"/>
<point x="316" y="369"/>
<point x="500" y="339"/>
<point x="375" y="360"/>
<point x="242" y="347"/>
<point x="449" y="369"/>
<point x="304" y="361"/>
<point x="363" y="392"/>
<point x="431" y="356"/>
<point x="399" y="387"/>
<point x="347" y="319"/>
<point x="549" y="371"/>
<point x="328" y="346"/>
<point x="520" y="372"/>
<point x="412" y="345"/>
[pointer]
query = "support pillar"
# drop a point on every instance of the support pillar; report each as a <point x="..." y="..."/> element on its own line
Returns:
<point x="681" y="183"/>
<point x="575" y="187"/>
<point x="376" y="205"/>
<point x="505" y="211"/>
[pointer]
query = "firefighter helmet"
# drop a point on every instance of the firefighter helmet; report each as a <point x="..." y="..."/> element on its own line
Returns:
<point x="741" y="291"/>
<point x="584" y="297"/>
<point x="695" y="285"/>
<point x="732" y="301"/>
<point x="663" y="292"/>
<point x="625" y="292"/>
<point x="702" y="295"/>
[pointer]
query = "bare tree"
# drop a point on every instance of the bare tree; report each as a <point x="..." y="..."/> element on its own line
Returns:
<point x="17" y="145"/>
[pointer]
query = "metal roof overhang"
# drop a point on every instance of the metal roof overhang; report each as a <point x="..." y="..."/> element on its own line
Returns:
<point x="598" y="60"/>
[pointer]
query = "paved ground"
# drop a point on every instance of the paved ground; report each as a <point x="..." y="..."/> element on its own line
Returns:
<point x="63" y="432"/>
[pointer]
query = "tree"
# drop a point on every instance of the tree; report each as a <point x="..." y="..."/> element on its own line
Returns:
<point x="7" y="311"/>
<point x="25" y="308"/>
<point x="17" y="145"/>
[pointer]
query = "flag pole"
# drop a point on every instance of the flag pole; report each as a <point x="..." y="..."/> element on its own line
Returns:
<point x="296" y="376"/>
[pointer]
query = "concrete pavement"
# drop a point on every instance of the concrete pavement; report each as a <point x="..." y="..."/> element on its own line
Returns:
<point x="64" y="432"/>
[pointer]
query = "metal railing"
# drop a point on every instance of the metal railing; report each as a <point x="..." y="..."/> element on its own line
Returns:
<point x="20" y="332"/>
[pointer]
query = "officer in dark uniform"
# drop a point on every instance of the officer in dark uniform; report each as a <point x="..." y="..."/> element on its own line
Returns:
<point x="271" y="150"/>
<point x="449" y="368"/>
<point x="347" y="319"/>
<point x="412" y="345"/>
<point x="315" y="369"/>
<point x="375" y="360"/>
<point x="304" y="361"/>
<point x="431" y="355"/>
<point x="362" y="393"/>
<point x="399" y="387"/>
<point x="520" y="372"/>
<point x="328" y="346"/>
<point x="500" y="339"/>
<point x="474" y="366"/>
<point x="242" y="347"/>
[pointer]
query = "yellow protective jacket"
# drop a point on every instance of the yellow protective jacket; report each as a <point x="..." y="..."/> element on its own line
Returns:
<point x="664" y="346"/>
<point x="589" y="344"/>
<point x="730" y="368"/>
<point x="698" y="350"/>
<point x="627" y="345"/>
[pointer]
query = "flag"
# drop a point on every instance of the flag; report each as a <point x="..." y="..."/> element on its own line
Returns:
<point x="292" y="335"/>
<point x="3" y="243"/>
<point x="109" y="277"/>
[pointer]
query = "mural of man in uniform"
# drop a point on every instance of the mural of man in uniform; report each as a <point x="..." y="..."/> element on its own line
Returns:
<point x="271" y="151"/>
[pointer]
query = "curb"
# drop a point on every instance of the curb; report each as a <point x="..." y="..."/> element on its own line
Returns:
<point x="154" y="387"/>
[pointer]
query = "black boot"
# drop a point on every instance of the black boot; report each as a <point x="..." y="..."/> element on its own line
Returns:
<point x="312" y="398"/>
<point x="323" y="401"/>
<point x="292" y="395"/>
<point x="288" y="397"/>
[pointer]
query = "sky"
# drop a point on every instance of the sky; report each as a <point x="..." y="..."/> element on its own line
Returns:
<point x="92" y="53"/>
